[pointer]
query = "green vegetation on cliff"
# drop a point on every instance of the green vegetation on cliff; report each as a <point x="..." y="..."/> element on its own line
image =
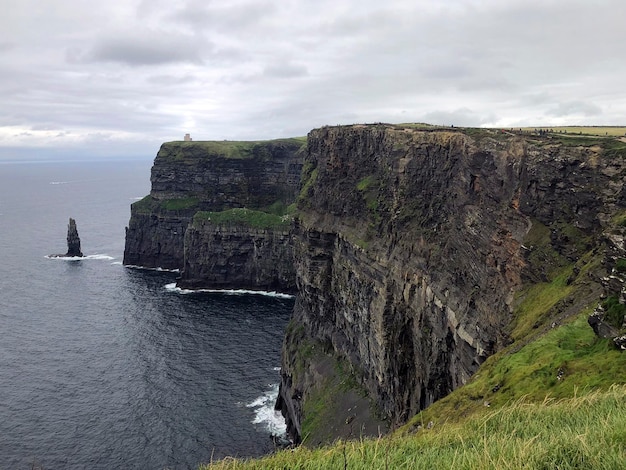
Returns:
<point x="228" y="148"/>
<point x="149" y="205"/>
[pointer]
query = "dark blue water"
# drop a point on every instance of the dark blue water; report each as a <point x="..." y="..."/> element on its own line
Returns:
<point x="102" y="366"/>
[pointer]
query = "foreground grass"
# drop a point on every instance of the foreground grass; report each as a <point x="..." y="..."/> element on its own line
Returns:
<point x="581" y="432"/>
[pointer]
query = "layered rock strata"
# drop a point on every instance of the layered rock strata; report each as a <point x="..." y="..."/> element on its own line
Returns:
<point x="410" y="245"/>
<point x="193" y="177"/>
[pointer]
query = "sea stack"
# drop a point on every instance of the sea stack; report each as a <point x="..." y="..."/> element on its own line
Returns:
<point x="73" y="240"/>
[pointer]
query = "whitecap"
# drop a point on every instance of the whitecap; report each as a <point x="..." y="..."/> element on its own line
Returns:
<point x="266" y="415"/>
<point x="117" y="263"/>
<point x="174" y="288"/>
<point x="79" y="258"/>
<point x="59" y="182"/>
<point x="146" y="268"/>
<point x="103" y="256"/>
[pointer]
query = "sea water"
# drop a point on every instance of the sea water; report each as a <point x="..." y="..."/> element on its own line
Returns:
<point x="102" y="366"/>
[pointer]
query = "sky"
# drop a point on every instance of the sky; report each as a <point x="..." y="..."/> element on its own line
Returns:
<point x="117" y="78"/>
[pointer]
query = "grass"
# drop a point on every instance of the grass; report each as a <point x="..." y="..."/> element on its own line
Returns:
<point x="614" y="311"/>
<point x="179" y="204"/>
<point x="245" y="217"/>
<point x="582" y="432"/>
<point x="538" y="301"/>
<point x="148" y="204"/>
<point x="233" y="149"/>
<point x="366" y="183"/>
<point x="611" y="131"/>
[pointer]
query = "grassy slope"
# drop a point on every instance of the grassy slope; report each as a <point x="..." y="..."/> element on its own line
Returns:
<point x="581" y="432"/>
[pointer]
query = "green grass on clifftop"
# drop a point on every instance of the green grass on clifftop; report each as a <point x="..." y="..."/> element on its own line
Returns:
<point x="233" y="149"/>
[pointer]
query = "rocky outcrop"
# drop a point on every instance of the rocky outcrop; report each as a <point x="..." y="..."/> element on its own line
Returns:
<point x="410" y="245"/>
<point x="73" y="240"/>
<point x="189" y="178"/>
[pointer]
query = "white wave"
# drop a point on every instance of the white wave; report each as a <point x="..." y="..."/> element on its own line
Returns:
<point x="134" y="266"/>
<point x="174" y="288"/>
<point x="103" y="256"/>
<point x="78" y="258"/>
<point x="265" y="414"/>
<point x="59" y="182"/>
<point x="117" y="263"/>
<point x="136" y="198"/>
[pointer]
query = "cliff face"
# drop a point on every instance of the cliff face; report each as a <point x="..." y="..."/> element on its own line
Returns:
<point x="238" y="257"/>
<point x="189" y="178"/>
<point x="410" y="245"/>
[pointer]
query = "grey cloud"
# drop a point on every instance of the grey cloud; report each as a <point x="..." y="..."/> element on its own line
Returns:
<point x="463" y="117"/>
<point x="170" y="80"/>
<point x="7" y="46"/>
<point x="230" y="18"/>
<point x="573" y="108"/>
<point x="285" y="70"/>
<point x="149" y="48"/>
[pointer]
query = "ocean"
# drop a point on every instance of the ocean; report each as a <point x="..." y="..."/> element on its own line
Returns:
<point x="104" y="366"/>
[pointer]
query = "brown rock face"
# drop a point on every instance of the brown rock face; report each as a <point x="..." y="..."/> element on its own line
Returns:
<point x="409" y="247"/>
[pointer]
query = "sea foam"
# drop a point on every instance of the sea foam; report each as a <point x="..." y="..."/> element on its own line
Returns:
<point x="174" y="288"/>
<point x="79" y="258"/>
<point x="145" y="268"/>
<point x="266" y="415"/>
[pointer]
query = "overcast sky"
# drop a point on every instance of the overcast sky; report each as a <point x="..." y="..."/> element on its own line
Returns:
<point x="119" y="77"/>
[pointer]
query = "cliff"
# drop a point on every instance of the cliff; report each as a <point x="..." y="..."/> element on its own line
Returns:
<point x="196" y="178"/>
<point x="413" y="249"/>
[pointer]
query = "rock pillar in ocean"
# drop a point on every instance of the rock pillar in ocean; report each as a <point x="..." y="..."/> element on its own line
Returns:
<point x="73" y="240"/>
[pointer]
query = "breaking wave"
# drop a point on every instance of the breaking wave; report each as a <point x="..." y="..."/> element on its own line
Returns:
<point x="146" y="268"/>
<point x="174" y="288"/>
<point x="266" y="415"/>
<point x="79" y="258"/>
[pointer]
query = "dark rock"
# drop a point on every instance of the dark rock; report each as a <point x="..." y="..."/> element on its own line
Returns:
<point x="599" y="326"/>
<point x="620" y="342"/>
<point x="73" y="240"/>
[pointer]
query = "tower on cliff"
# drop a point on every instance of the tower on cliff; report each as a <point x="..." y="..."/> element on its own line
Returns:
<point x="187" y="138"/>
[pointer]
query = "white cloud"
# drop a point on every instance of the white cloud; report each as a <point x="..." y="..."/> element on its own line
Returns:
<point x="131" y="74"/>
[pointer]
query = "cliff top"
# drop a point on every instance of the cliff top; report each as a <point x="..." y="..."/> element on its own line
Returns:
<point x="229" y="149"/>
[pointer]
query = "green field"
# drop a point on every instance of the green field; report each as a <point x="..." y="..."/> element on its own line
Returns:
<point x="611" y="131"/>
